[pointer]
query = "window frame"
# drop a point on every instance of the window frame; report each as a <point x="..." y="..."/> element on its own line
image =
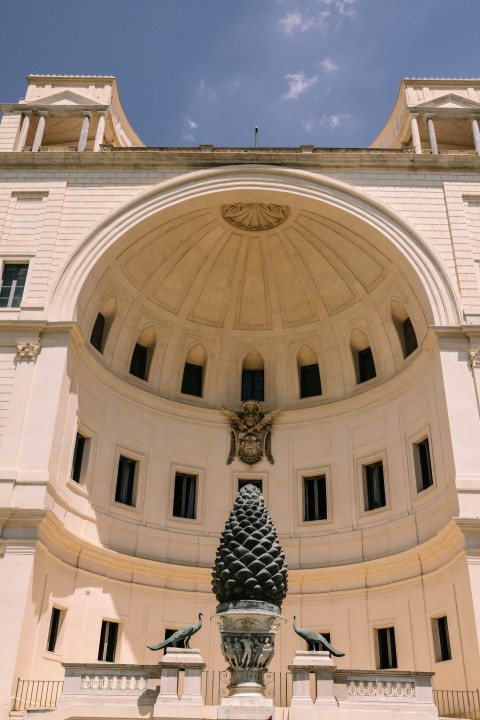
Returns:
<point x="17" y="260"/>
<point x="367" y="516"/>
<point x="193" y="525"/>
<point x="378" y="650"/>
<point x="313" y="527"/>
<point x="145" y="362"/>
<point x="358" y="366"/>
<point x="366" y="494"/>
<point x="108" y="623"/>
<point x="417" y="464"/>
<point x="58" y="641"/>
<point x="120" y="487"/>
<point x="249" y="370"/>
<point x="194" y="477"/>
<point x="202" y="380"/>
<point x="85" y="462"/>
<point x="438" y="641"/>
<point x="141" y="458"/>
<point x="301" y="370"/>
<point x="304" y="498"/>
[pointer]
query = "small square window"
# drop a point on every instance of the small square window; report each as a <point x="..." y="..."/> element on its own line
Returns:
<point x="80" y="453"/>
<point x="138" y="365"/>
<point x="184" y="496"/>
<point x="56" y="620"/>
<point x="108" y="641"/>
<point x="314" y="498"/>
<point x="441" y="639"/>
<point x="310" y="384"/>
<point x="13" y="284"/>
<point x="253" y="385"/>
<point x="257" y="482"/>
<point x="386" y="648"/>
<point x="423" y="465"/>
<point x="373" y="486"/>
<point x="126" y="476"/>
<point x="192" y="380"/>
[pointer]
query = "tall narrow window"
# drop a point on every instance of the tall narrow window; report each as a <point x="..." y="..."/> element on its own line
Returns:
<point x="193" y="371"/>
<point x="108" y="641"/>
<point x="309" y="372"/>
<point x="184" y="495"/>
<point x="13" y="284"/>
<point x="362" y="356"/>
<point x="102" y="324"/>
<point x="373" y="486"/>
<point x="253" y="377"/>
<point x="138" y="365"/>
<point x="441" y="639"/>
<point x="423" y="465"/>
<point x="257" y="482"/>
<point x="404" y="328"/>
<point x="125" y="489"/>
<point x="54" y="629"/>
<point x="79" y="454"/>
<point x="98" y="332"/>
<point x="387" y="651"/>
<point x="315" y="498"/>
<point x="192" y="379"/>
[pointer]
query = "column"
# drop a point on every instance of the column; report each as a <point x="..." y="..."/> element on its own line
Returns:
<point x="82" y="143"/>
<point x="300" y="685"/>
<point x="37" y="142"/>
<point x="476" y="134"/>
<point x="23" y="132"/>
<point x="168" y="684"/>
<point x="432" y="136"/>
<point x="415" y="135"/>
<point x="100" y="132"/>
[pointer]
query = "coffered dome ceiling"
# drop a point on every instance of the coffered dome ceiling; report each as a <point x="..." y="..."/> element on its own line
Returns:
<point x="255" y="268"/>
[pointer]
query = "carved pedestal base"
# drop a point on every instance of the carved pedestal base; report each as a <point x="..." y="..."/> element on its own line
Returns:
<point x="174" y="660"/>
<point x="248" y="644"/>
<point x="322" y="665"/>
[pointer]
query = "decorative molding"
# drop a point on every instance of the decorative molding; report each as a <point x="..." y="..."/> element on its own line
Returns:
<point x="255" y="216"/>
<point x="28" y="351"/>
<point x="474" y="358"/>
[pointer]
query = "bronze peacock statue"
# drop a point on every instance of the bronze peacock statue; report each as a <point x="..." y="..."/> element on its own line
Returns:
<point x="314" y="637"/>
<point x="184" y="634"/>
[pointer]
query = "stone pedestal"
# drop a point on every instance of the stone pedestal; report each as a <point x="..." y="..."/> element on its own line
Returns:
<point x="248" y="643"/>
<point x="319" y="662"/>
<point x="174" y="660"/>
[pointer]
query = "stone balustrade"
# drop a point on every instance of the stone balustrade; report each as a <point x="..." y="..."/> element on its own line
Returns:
<point x="122" y="684"/>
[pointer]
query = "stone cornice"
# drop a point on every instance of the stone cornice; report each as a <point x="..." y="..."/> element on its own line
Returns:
<point x="53" y="110"/>
<point x="195" y="158"/>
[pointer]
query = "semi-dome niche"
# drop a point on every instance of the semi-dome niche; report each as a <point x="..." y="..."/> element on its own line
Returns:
<point x="304" y="276"/>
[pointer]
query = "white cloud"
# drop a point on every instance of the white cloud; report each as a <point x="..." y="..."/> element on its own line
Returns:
<point x="333" y="11"/>
<point x="308" y="125"/>
<point x="328" y="65"/>
<point x="297" y="84"/>
<point x="332" y="122"/>
<point x="188" y="126"/>
<point x="290" y="22"/>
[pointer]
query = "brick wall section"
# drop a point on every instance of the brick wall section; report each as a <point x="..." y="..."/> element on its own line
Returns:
<point x="9" y="129"/>
<point x="7" y="376"/>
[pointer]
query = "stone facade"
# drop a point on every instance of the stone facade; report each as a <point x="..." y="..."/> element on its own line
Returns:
<point x="372" y="238"/>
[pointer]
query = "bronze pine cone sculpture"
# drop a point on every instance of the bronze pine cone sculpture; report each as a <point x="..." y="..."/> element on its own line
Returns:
<point x="250" y="564"/>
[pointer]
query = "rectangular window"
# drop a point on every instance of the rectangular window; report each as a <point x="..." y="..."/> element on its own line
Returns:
<point x="252" y="385"/>
<point x="125" y="489"/>
<point x="441" y="639"/>
<point x="53" y="632"/>
<point x="373" y="486"/>
<point x="78" y="457"/>
<point x="138" y="365"/>
<point x="387" y="652"/>
<point x="409" y="337"/>
<point x="366" y="365"/>
<point x="13" y="284"/>
<point x="184" y="496"/>
<point x="98" y="332"/>
<point x="108" y="641"/>
<point x="310" y="384"/>
<point x="315" y="498"/>
<point x="423" y="465"/>
<point x="258" y="483"/>
<point x="192" y="379"/>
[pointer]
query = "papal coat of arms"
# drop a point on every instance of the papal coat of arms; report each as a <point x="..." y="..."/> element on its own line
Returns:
<point x="250" y="433"/>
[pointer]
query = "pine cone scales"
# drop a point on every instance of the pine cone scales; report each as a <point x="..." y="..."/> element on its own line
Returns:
<point x="250" y="564"/>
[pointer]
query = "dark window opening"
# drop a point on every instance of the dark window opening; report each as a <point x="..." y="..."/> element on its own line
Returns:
<point x="78" y="454"/>
<point x="423" y="465"/>
<point x="315" y="498"/>
<point x="410" y="343"/>
<point x="98" y="332"/>
<point x="54" y="629"/>
<point x="252" y="385"/>
<point x="387" y="651"/>
<point x="108" y="641"/>
<point x="168" y="634"/>
<point x="138" y="365"/>
<point x="192" y="379"/>
<point x="374" y="486"/>
<point x="366" y="365"/>
<point x="442" y="640"/>
<point x="184" y="496"/>
<point x="13" y="284"/>
<point x="319" y="645"/>
<point x="310" y="384"/>
<point x="125" y="481"/>
<point x="258" y="483"/>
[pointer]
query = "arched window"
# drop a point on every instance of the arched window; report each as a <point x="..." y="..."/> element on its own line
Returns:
<point x="142" y="353"/>
<point x="308" y="372"/>
<point x="362" y="356"/>
<point x="404" y="328"/>
<point x="194" y="371"/>
<point x="253" y="377"/>
<point x="102" y="324"/>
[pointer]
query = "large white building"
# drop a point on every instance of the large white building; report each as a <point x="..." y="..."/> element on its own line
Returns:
<point x="145" y="288"/>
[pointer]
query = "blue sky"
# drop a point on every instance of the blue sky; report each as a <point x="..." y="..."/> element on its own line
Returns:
<point x="322" y="72"/>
